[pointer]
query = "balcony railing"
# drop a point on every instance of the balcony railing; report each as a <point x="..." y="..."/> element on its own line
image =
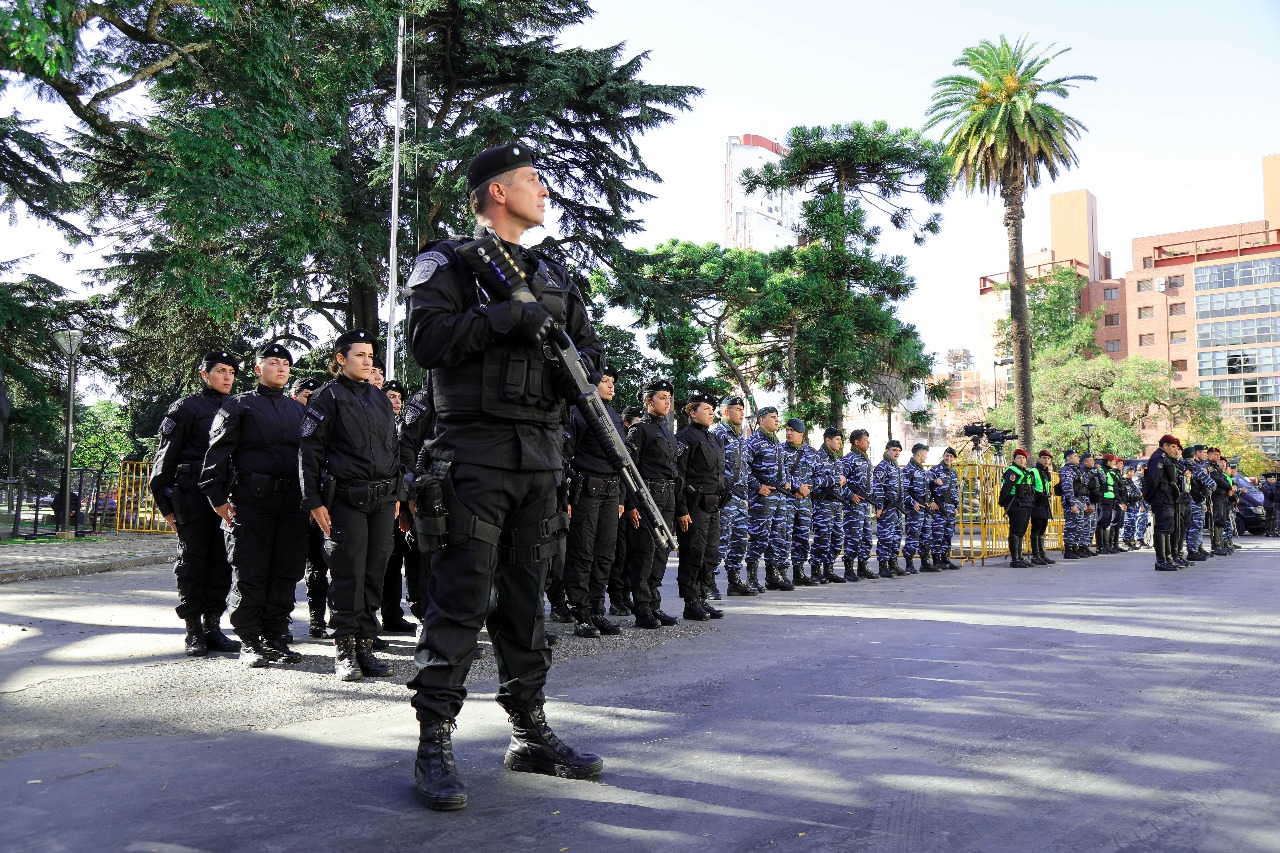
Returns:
<point x="990" y="282"/>
<point x="1231" y="246"/>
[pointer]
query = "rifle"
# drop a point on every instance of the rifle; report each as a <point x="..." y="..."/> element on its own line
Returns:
<point x="494" y="266"/>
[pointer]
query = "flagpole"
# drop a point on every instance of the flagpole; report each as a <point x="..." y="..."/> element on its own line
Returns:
<point x="393" y="277"/>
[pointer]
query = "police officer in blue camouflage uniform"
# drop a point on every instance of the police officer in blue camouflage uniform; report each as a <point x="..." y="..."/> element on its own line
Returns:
<point x="1129" y="535"/>
<point x="1074" y="488"/>
<point x="798" y="458"/>
<point x="733" y="512"/>
<point x="888" y="493"/>
<point x="1202" y="488"/>
<point x="828" y="518"/>
<point x="944" y="493"/>
<point x="917" y="509"/>
<point x="767" y="515"/>
<point x="858" y="506"/>
<point x="1092" y="478"/>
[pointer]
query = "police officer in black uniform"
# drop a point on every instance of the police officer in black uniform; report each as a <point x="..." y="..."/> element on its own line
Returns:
<point x="596" y="501"/>
<point x="204" y="575"/>
<point x="496" y="457"/>
<point x="1161" y="489"/>
<point x="620" y="603"/>
<point x="653" y="449"/>
<point x="403" y="551"/>
<point x="417" y="422"/>
<point x="700" y="483"/>
<point x="251" y="478"/>
<point x="1017" y="496"/>
<point x="349" y="434"/>
<point x="317" y="572"/>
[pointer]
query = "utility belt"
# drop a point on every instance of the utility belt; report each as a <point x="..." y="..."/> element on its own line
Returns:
<point x="593" y="485"/>
<point x="262" y="485"/>
<point x="187" y="477"/>
<point x="702" y="501"/>
<point x="657" y="487"/>
<point x="365" y="493"/>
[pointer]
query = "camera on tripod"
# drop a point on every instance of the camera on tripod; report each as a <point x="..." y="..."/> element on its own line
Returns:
<point x="993" y="435"/>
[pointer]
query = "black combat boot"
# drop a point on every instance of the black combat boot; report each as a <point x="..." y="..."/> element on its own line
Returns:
<point x="1218" y="549"/>
<point x="693" y="611"/>
<point x="780" y="577"/>
<point x="910" y="567"/>
<point x="798" y="577"/>
<point x="368" y="661"/>
<point x="395" y="623"/>
<point x="1043" y="555"/>
<point x="434" y="772"/>
<point x="582" y="624"/>
<point x="753" y="578"/>
<point x="886" y="567"/>
<point x="252" y="653"/>
<point x="316" y="627"/>
<point x="928" y="565"/>
<point x="645" y="619"/>
<point x="736" y="586"/>
<point x="829" y="573"/>
<point x="1015" y="555"/>
<point x="1036" y="559"/>
<point x="604" y="625"/>
<point x="1162" y="553"/>
<point x="712" y="591"/>
<point x="345" y="665"/>
<point x="618" y="607"/>
<point x="214" y="639"/>
<point x="278" y="651"/>
<point x="195" y="643"/>
<point x="712" y="612"/>
<point x="864" y="571"/>
<point x="1069" y="552"/>
<point x="536" y="749"/>
<point x="815" y="574"/>
<point x="665" y="620"/>
<point x="560" y="609"/>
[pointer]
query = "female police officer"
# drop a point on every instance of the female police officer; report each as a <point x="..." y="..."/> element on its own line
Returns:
<point x="349" y="432"/>
<point x="1017" y="488"/>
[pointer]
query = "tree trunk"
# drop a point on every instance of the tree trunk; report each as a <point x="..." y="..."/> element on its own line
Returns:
<point x="888" y="418"/>
<point x="837" y="391"/>
<point x="1018" y="315"/>
<point x="791" y="369"/>
<point x="717" y="344"/>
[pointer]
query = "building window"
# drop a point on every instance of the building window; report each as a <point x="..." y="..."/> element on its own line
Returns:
<point x="1110" y="293"/>
<point x="1113" y="346"/>
<point x="1247" y="389"/>
<point x="1260" y="418"/>
<point x="1146" y="340"/>
<point x="1147" y="264"/>
<point x="1251" y="330"/>
<point x="1144" y="286"/>
<point x="1238" y="274"/>
<point x="1146" y="313"/>
<point x="1234" y="303"/>
<point x="1111" y="320"/>
<point x="1177" y="309"/>
<point x="1176" y="281"/>
<point x="1177" y="338"/>
<point x="1179" y="365"/>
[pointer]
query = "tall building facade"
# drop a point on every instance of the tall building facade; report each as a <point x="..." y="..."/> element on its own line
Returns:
<point x="758" y="220"/>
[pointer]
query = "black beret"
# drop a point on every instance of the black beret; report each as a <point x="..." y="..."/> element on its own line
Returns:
<point x="219" y="357"/>
<point x="1086" y="456"/>
<point x="609" y="370"/>
<point x="832" y="432"/>
<point x="275" y="351"/>
<point x="732" y="400"/>
<point x="797" y="425"/>
<point x="1070" y="451"/>
<point x="492" y="162"/>
<point x="392" y="385"/>
<point x="378" y="364"/>
<point x="355" y="336"/>
<point x="659" y="385"/>
<point x="892" y="443"/>
<point x="632" y="412"/>
<point x="767" y="410"/>
<point x="305" y="385"/>
<point x="918" y="447"/>
<point x="950" y="450"/>
<point x="702" y="397"/>
<point x="1188" y="452"/>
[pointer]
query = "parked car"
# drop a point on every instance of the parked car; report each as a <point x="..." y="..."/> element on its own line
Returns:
<point x="1251" y="514"/>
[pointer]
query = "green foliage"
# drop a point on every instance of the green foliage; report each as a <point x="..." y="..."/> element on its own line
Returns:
<point x="1232" y="436"/>
<point x="1053" y="313"/>
<point x="103" y="435"/>
<point x="635" y="369"/>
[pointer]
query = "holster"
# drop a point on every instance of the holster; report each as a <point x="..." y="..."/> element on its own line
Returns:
<point x="430" y="517"/>
<point x="171" y="494"/>
<point x="328" y="491"/>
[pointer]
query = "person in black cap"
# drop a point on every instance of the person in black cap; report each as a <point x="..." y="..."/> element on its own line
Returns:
<point x="204" y="575"/>
<point x="317" y="573"/>
<point x="1017" y="496"/>
<point x="887" y="496"/>
<point x="799" y="460"/>
<point x="733" y="504"/>
<point x="417" y="426"/>
<point x="828" y="515"/>
<point x="596" y="502"/>
<point x="917" y="510"/>
<point x="250" y="477"/>
<point x="620" y="603"/>
<point x="497" y="456"/>
<point x="1160" y="489"/>
<point x="700" y="473"/>
<point x="767" y="513"/>
<point x="378" y="376"/>
<point x="351" y="480"/>
<point x="404" y="553"/>
<point x="944" y="496"/>
<point x="653" y="449"/>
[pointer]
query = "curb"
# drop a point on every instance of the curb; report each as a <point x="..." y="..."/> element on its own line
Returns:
<point x="72" y="569"/>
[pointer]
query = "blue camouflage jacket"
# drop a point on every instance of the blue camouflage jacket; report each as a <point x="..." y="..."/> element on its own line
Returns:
<point x="856" y="467"/>
<point x="736" y="471"/>
<point x="826" y="475"/>
<point x="764" y="462"/>
<point x="1073" y="487"/>
<point x="946" y="494"/>
<point x="798" y="463"/>
<point x="887" y="485"/>
<point x="915" y="480"/>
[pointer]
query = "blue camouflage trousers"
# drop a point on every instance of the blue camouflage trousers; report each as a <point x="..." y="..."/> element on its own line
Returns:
<point x="733" y="533"/>
<point x="801" y="530"/>
<point x="888" y="534"/>
<point x="944" y="527"/>
<point x="1196" y="527"/>
<point x="1129" y="531"/>
<point x="918" y="534"/>
<point x="857" y="531"/>
<point x="769" y="523"/>
<point x="1075" y="529"/>
<point x="828" y="531"/>
<point x="1144" y="521"/>
<point x="1091" y="525"/>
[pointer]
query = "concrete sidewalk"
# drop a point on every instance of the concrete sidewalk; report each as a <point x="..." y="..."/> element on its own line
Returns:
<point x="1089" y="706"/>
<point x="49" y="558"/>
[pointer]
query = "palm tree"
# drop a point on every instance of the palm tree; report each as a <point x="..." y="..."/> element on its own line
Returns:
<point x="1001" y="133"/>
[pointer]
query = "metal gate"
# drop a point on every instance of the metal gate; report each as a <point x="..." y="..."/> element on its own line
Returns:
<point x="136" y="511"/>
<point x="983" y="526"/>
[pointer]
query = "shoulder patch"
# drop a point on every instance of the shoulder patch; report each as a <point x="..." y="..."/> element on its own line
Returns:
<point x="681" y="447"/>
<point x="219" y="424"/>
<point x="411" y="413"/>
<point x="426" y="266"/>
<point x="167" y="425"/>
<point x="311" y="421"/>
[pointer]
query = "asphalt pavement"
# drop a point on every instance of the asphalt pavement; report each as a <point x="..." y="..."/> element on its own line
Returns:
<point x="1089" y="706"/>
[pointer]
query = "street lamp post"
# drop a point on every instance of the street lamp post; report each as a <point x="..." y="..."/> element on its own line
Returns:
<point x="1088" y="437"/>
<point x="68" y="340"/>
<point x="995" y="379"/>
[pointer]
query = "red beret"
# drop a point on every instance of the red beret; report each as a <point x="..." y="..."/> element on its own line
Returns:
<point x="1019" y="452"/>
<point x="1169" y="439"/>
<point x="1046" y="453"/>
<point x="1109" y="457"/>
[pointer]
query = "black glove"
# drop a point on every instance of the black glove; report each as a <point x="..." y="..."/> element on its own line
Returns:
<point x="534" y="321"/>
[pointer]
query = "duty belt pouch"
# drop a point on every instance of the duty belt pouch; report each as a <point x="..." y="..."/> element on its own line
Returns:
<point x="260" y="486"/>
<point x="357" y="496"/>
<point x="328" y="491"/>
<point x="430" y="517"/>
<point x="709" y="503"/>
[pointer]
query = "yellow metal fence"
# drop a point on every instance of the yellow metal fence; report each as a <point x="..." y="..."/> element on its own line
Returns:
<point x="983" y="528"/>
<point x="136" y="511"/>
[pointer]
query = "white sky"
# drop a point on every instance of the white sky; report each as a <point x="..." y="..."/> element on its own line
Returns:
<point x="1183" y="112"/>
